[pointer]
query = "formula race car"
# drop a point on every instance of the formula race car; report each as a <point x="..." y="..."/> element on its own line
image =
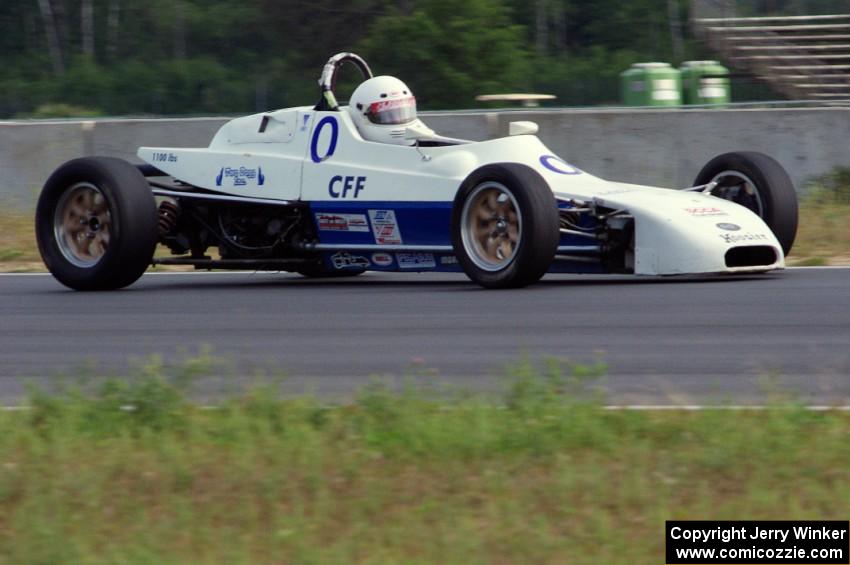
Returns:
<point x="333" y="190"/>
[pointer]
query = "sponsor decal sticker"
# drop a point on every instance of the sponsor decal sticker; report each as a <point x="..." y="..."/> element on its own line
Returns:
<point x="344" y="260"/>
<point x="317" y="132"/>
<point x="558" y="165"/>
<point x="240" y="176"/>
<point x="705" y="211"/>
<point x="729" y="227"/>
<point x="416" y="260"/>
<point x="384" y="105"/>
<point x="340" y="186"/>
<point x="616" y="190"/>
<point x="382" y="259"/>
<point x="448" y="260"/>
<point x="160" y="157"/>
<point x="342" y="222"/>
<point x="739" y="237"/>
<point x="384" y="227"/>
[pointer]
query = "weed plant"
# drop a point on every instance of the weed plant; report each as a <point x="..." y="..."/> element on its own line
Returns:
<point x="133" y="471"/>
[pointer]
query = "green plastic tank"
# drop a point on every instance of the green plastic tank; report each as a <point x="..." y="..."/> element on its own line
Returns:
<point x="651" y="84"/>
<point x="705" y="82"/>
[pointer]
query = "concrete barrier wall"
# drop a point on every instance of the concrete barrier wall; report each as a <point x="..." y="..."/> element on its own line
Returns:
<point x="655" y="147"/>
<point x="31" y="151"/>
<point x="668" y="148"/>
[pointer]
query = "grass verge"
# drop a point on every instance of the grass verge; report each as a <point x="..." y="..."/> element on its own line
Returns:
<point x="134" y="472"/>
<point x="18" y="249"/>
<point x="823" y="236"/>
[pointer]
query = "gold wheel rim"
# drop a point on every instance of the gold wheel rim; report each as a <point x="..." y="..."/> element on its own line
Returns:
<point x="83" y="225"/>
<point x="737" y="187"/>
<point x="492" y="226"/>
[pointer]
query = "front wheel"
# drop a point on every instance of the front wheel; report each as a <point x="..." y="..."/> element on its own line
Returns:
<point x="759" y="183"/>
<point x="95" y="224"/>
<point x="505" y="226"/>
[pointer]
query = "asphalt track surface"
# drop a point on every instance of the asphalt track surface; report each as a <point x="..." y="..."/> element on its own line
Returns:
<point x="665" y="340"/>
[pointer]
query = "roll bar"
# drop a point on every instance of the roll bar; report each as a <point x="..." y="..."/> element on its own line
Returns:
<point x="327" y="81"/>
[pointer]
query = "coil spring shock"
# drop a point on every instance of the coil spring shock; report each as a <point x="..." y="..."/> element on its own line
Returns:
<point x="168" y="214"/>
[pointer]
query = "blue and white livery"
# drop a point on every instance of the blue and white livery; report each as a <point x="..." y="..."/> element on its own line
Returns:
<point x="300" y="189"/>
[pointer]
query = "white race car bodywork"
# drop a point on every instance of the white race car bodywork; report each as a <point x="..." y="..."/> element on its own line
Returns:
<point x="370" y="197"/>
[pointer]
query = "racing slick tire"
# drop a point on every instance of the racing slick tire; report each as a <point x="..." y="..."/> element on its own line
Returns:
<point x="96" y="224"/>
<point x="759" y="183"/>
<point x="505" y="226"/>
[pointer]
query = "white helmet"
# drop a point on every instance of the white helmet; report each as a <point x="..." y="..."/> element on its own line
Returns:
<point x="382" y="108"/>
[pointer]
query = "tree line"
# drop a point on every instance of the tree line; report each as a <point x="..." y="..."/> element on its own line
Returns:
<point x="131" y="57"/>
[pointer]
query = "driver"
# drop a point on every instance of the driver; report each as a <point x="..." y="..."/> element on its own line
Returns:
<point x="382" y="109"/>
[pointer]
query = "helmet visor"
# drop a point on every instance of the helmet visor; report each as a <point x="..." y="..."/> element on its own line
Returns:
<point x="392" y="112"/>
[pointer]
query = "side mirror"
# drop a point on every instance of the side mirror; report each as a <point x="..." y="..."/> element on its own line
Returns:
<point x="523" y="128"/>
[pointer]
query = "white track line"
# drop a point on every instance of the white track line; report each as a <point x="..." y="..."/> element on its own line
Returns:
<point x="732" y="407"/>
<point x="820" y="267"/>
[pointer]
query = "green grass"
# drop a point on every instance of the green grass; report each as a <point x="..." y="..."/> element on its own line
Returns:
<point x="17" y="240"/>
<point x="813" y="261"/>
<point x="823" y="236"/>
<point x="132" y="471"/>
<point x="10" y="254"/>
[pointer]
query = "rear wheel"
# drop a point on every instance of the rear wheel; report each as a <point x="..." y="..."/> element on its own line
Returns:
<point x="759" y="183"/>
<point x="96" y="224"/>
<point x="505" y="226"/>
